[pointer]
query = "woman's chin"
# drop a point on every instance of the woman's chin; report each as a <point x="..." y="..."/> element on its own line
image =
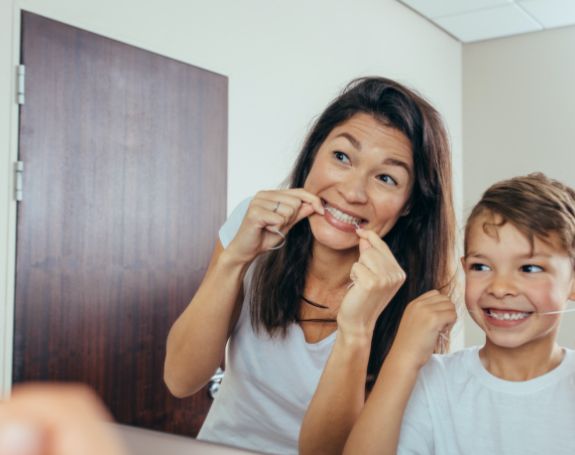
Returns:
<point x="335" y="239"/>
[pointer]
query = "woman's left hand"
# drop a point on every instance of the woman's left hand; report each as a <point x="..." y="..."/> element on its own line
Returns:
<point x="376" y="278"/>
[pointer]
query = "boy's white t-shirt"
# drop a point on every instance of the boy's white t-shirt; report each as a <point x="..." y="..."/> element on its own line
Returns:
<point x="459" y="408"/>
<point x="268" y="382"/>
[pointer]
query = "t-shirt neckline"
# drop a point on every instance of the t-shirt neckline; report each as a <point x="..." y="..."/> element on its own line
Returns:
<point x="562" y="370"/>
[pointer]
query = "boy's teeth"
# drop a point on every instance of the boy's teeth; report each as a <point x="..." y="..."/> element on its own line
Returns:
<point x="339" y="215"/>
<point x="515" y="316"/>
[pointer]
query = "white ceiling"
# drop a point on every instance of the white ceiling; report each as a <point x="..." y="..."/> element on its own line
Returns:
<point x="476" y="20"/>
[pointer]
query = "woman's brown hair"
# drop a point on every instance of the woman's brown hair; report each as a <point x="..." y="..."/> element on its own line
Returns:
<point x="422" y="240"/>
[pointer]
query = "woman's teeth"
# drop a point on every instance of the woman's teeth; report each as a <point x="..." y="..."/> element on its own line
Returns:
<point x="344" y="217"/>
<point x="514" y="316"/>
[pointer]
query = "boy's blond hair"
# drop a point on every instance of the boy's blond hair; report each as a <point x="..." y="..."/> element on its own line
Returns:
<point x="535" y="204"/>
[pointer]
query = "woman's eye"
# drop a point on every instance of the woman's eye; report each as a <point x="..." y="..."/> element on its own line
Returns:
<point x="340" y="156"/>
<point x="531" y="268"/>
<point x="479" y="267"/>
<point x="388" y="179"/>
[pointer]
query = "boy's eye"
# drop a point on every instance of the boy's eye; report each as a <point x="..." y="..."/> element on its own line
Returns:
<point x="388" y="179"/>
<point x="531" y="268"/>
<point x="340" y="156"/>
<point x="478" y="267"/>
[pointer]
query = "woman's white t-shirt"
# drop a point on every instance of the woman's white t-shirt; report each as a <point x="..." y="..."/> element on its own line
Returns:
<point x="268" y="382"/>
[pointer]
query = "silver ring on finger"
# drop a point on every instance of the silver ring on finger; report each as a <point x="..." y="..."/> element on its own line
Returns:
<point x="277" y="206"/>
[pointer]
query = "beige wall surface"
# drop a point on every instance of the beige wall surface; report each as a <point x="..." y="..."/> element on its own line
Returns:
<point x="519" y="117"/>
<point x="284" y="60"/>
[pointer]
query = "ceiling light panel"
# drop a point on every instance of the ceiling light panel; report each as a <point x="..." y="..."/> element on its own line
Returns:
<point x="489" y="23"/>
<point x="439" y="8"/>
<point x="550" y="13"/>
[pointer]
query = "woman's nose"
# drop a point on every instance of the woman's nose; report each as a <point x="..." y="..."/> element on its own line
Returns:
<point x="353" y="189"/>
<point x="502" y="285"/>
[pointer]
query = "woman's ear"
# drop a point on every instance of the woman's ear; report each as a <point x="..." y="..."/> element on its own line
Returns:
<point x="406" y="209"/>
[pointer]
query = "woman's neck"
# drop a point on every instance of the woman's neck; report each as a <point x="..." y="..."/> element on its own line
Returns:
<point x="331" y="267"/>
<point x="524" y="362"/>
<point x="327" y="277"/>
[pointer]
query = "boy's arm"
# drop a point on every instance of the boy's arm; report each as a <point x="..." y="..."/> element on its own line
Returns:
<point x="378" y="428"/>
<point x="339" y="397"/>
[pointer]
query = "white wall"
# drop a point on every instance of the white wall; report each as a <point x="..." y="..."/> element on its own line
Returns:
<point x="519" y="117"/>
<point x="284" y="60"/>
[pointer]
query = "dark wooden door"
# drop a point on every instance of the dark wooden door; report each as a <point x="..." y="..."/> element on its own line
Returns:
<point x="125" y="175"/>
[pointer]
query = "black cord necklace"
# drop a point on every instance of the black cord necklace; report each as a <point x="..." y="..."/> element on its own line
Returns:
<point x="317" y="305"/>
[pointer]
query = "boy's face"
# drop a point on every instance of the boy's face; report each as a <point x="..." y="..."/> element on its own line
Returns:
<point x="508" y="286"/>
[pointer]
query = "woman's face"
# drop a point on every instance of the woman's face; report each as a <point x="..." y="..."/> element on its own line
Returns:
<point x="363" y="173"/>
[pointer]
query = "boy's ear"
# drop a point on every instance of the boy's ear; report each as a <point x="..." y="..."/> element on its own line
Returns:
<point x="572" y="292"/>
<point x="572" y="295"/>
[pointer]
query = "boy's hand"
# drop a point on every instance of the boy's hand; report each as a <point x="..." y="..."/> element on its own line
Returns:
<point x="425" y="319"/>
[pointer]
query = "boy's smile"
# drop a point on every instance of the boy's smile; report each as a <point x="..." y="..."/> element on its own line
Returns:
<point x="510" y="284"/>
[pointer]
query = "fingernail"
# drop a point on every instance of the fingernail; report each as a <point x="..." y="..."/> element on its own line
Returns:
<point x="19" y="439"/>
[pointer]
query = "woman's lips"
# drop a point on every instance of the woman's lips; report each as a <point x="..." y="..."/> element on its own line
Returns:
<point x="342" y="219"/>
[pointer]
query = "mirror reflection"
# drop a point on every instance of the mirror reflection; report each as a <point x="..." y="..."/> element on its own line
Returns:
<point x="158" y="259"/>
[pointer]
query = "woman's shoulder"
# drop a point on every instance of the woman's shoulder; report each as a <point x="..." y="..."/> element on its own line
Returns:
<point x="232" y="224"/>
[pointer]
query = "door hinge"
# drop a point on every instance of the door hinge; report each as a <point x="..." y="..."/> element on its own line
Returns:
<point x="18" y="180"/>
<point x="21" y="84"/>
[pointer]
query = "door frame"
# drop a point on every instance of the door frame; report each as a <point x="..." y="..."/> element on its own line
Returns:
<point x="8" y="206"/>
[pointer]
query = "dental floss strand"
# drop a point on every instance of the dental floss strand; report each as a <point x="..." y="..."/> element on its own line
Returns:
<point x="544" y="313"/>
<point x="283" y="241"/>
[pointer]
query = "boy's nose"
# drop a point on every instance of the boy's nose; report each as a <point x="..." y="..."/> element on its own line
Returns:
<point x="502" y="286"/>
<point x="353" y="189"/>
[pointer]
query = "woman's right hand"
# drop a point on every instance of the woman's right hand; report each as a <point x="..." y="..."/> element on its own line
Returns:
<point x="424" y="320"/>
<point x="271" y="212"/>
<point x="376" y="278"/>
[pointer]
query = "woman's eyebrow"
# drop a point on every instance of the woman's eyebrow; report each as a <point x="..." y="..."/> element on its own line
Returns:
<point x="396" y="162"/>
<point x="351" y="139"/>
<point x="388" y="161"/>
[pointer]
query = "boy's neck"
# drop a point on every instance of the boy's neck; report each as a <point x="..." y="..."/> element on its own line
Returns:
<point x="522" y="363"/>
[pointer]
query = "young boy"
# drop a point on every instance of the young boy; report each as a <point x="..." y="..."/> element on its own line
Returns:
<point x="516" y="394"/>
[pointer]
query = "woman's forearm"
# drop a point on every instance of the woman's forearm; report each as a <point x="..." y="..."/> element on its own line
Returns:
<point x="196" y="342"/>
<point x="339" y="397"/>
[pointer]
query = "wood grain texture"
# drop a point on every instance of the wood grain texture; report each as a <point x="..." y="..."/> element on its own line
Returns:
<point x="125" y="184"/>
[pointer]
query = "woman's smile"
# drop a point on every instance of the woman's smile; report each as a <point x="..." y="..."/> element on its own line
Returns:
<point x="340" y="219"/>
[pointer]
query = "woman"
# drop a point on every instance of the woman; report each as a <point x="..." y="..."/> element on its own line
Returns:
<point x="296" y="266"/>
